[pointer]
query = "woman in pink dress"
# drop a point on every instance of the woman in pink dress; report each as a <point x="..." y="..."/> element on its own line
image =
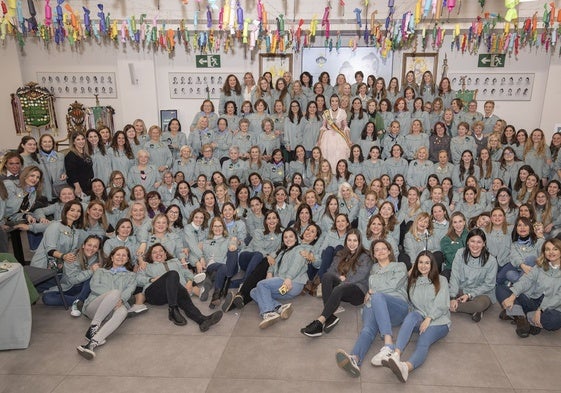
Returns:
<point x="334" y="138"/>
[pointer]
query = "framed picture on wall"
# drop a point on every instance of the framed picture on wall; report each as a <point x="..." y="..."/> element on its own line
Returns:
<point x="276" y="64"/>
<point x="165" y="117"/>
<point x="419" y="63"/>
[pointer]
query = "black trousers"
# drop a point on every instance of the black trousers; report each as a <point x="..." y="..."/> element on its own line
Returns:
<point x="168" y="290"/>
<point x="334" y="291"/>
<point x="258" y="274"/>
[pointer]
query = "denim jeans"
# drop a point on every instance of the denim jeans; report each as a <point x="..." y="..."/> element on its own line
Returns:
<point x="502" y="271"/>
<point x="383" y="312"/>
<point x="224" y="270"/>
<point x="525" y="305"/>
<point x="266" y="294"/>
<point x="248" y="261"/>
<point x="515" y="274"/>
<point x="431" y="335"/>
<point x="79" y="291"/>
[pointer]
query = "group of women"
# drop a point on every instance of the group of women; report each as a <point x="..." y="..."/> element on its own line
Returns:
<point x="272" y="195"/>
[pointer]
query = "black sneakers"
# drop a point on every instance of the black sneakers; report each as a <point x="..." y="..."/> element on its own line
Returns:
<point x="330" y="323"/>
<point x="314" y="329"/>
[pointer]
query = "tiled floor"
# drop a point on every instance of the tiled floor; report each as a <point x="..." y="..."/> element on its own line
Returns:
<point x="149" y="354"/>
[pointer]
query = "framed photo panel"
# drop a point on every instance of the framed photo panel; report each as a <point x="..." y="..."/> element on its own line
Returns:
<point x="419" y="63"/>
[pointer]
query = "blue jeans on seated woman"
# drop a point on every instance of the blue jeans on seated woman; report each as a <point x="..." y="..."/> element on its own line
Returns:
<point x="383" y="312"/>
<point x="266" y="294"/>
<point x="431" y="335"/>
<point x="514" y="274"/>
<point x="224" y="270"/>
<point x="79" y="291"/>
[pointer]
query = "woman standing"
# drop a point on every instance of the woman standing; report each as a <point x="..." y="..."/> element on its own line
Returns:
<point x="79" y="166"/>
<point x="430" y="316"/>
<point x="472" y="281"/>
<point x="174" y="137"/>
<point x="143" y="173"/>
<point x="232" y="91"/>
<point x="385" y="306"/>
<point x="52" y="164"/>
<point x="97" y="151"/>
<point x="166" y="281"/>
<point x="120" y="153"/>
<point x="160" y="155"/>
<point x="346" y="280"/>
<point x="334" y="139"/>
<point x="111" y="288"/>
<point x="27" y="149"/>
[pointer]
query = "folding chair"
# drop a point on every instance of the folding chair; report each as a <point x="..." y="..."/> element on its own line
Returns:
<point x="39" y="275"/>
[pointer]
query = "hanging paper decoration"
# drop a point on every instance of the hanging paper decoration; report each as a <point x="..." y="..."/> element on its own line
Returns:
<point x="65" y="24"/>
<point x="357" y="12"/>
<point x="208" y="17"/>
<point x="325" y="21"/>
<point x="511" y="12"/>
<point x="390" y="14"/>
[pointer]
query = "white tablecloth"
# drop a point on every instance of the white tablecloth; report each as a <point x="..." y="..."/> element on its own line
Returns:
<point x="15" y="310"/>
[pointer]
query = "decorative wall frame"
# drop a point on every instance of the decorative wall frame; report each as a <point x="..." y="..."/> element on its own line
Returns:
<point x="496" y="86"/>
<point x="276" y="64"/>
<point x="79" y="84"/>
<point x="419" y="63"/>
<point x="165" y="117"/>
<point x="196" y="85"/>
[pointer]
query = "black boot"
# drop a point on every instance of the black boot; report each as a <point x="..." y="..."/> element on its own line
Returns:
<point x="522" y="326"/>
<point x="215" y="300"/>
<point x="176" y="317"/>
<point x="225" y="287"/>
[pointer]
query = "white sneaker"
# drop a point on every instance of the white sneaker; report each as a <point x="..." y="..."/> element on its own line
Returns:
<point x="285" y="310"/>
<point x="383" y="355"/>
<point x="269" y="318"/>
<point x="339" y="310"/>
<point x="348" y="363"/>
<point x="400" y="369"/>
<point x="75" y="310"/>
<point x="199" y="278"/>
<point x="137" y="309"/>
<point x="395" y="356"/>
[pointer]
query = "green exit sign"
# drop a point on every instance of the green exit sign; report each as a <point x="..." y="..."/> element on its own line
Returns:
<point x="207" y="61"/>
<point x="489" y="60"/>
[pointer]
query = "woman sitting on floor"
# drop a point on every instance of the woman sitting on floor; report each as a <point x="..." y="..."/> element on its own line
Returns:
<point x="385" y="306"/>
<point x="430" y="315"/>
<point x="285" y="279"/>
<point x="346" y="280"/>
<point x="167" y="281"/>
<point x="111" y="288"/>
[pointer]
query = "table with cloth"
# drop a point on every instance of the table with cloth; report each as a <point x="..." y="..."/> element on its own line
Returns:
<point x="15" y="309"/>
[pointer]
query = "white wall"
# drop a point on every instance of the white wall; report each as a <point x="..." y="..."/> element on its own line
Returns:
<point x="10" y="80"/>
